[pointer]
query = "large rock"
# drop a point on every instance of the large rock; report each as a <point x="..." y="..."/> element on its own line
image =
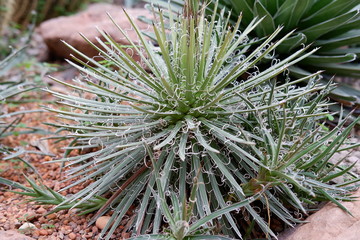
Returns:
<point x="68" y="28"/>
<point x="330" y="223"/>
<point x="13" y="235"/>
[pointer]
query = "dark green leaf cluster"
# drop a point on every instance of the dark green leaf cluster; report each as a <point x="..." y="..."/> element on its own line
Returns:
<point x="331" y="25"/>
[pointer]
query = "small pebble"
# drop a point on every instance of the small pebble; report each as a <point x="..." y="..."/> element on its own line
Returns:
<point x="73" y="224"/>
<point x="41" y="210"/>
<point x="125" y="235"/>
<point x="27" y="226"/>
<point x="51" y="216"/>
<point x="68" y="228"/>
<point x="43" y="232"/>
<point x="102" y="221"/>
<point x="42" y="220"/>
<point x="8" y="194"/>
<point x="17" y="223"/>
<point x="30" y="216"/>
<point x="72" y="236"/>
<point x="94" y="229"/>
<point x="61" y="235"/>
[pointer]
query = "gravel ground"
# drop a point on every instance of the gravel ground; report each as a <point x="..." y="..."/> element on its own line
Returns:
<point x="14" y="212"/>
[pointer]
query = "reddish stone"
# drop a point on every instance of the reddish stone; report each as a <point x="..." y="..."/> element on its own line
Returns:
<point x="330" y="223"/>
<point x="72" y="236"/>
<point x="43" y="232"/>
<point x="51" y="216"/>
<point x="68" y="28"/>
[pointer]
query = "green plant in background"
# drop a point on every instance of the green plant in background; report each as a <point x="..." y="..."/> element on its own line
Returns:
<point x="331" y="25"/>
<point x="9" y="89"/>
<point x="6" y="10"/>
<point x="219" y="144"/>
<point x="45" y="9"/>
<point x="12" y="88"/>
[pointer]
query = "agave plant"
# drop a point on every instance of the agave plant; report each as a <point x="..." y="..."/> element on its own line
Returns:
<point x="332" y="25"/>
<point x="243" y="141"/>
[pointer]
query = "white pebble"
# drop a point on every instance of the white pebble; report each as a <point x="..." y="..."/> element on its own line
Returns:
<point x="27" y="226"/>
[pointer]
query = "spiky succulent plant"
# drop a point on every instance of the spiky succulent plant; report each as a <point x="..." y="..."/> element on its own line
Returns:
<point x="257" y="139"/>
<point x="331" y="25"/>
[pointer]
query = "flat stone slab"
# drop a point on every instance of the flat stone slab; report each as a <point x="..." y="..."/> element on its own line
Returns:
<point x="330" y="223"/>
<point x="13" y="235"/>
